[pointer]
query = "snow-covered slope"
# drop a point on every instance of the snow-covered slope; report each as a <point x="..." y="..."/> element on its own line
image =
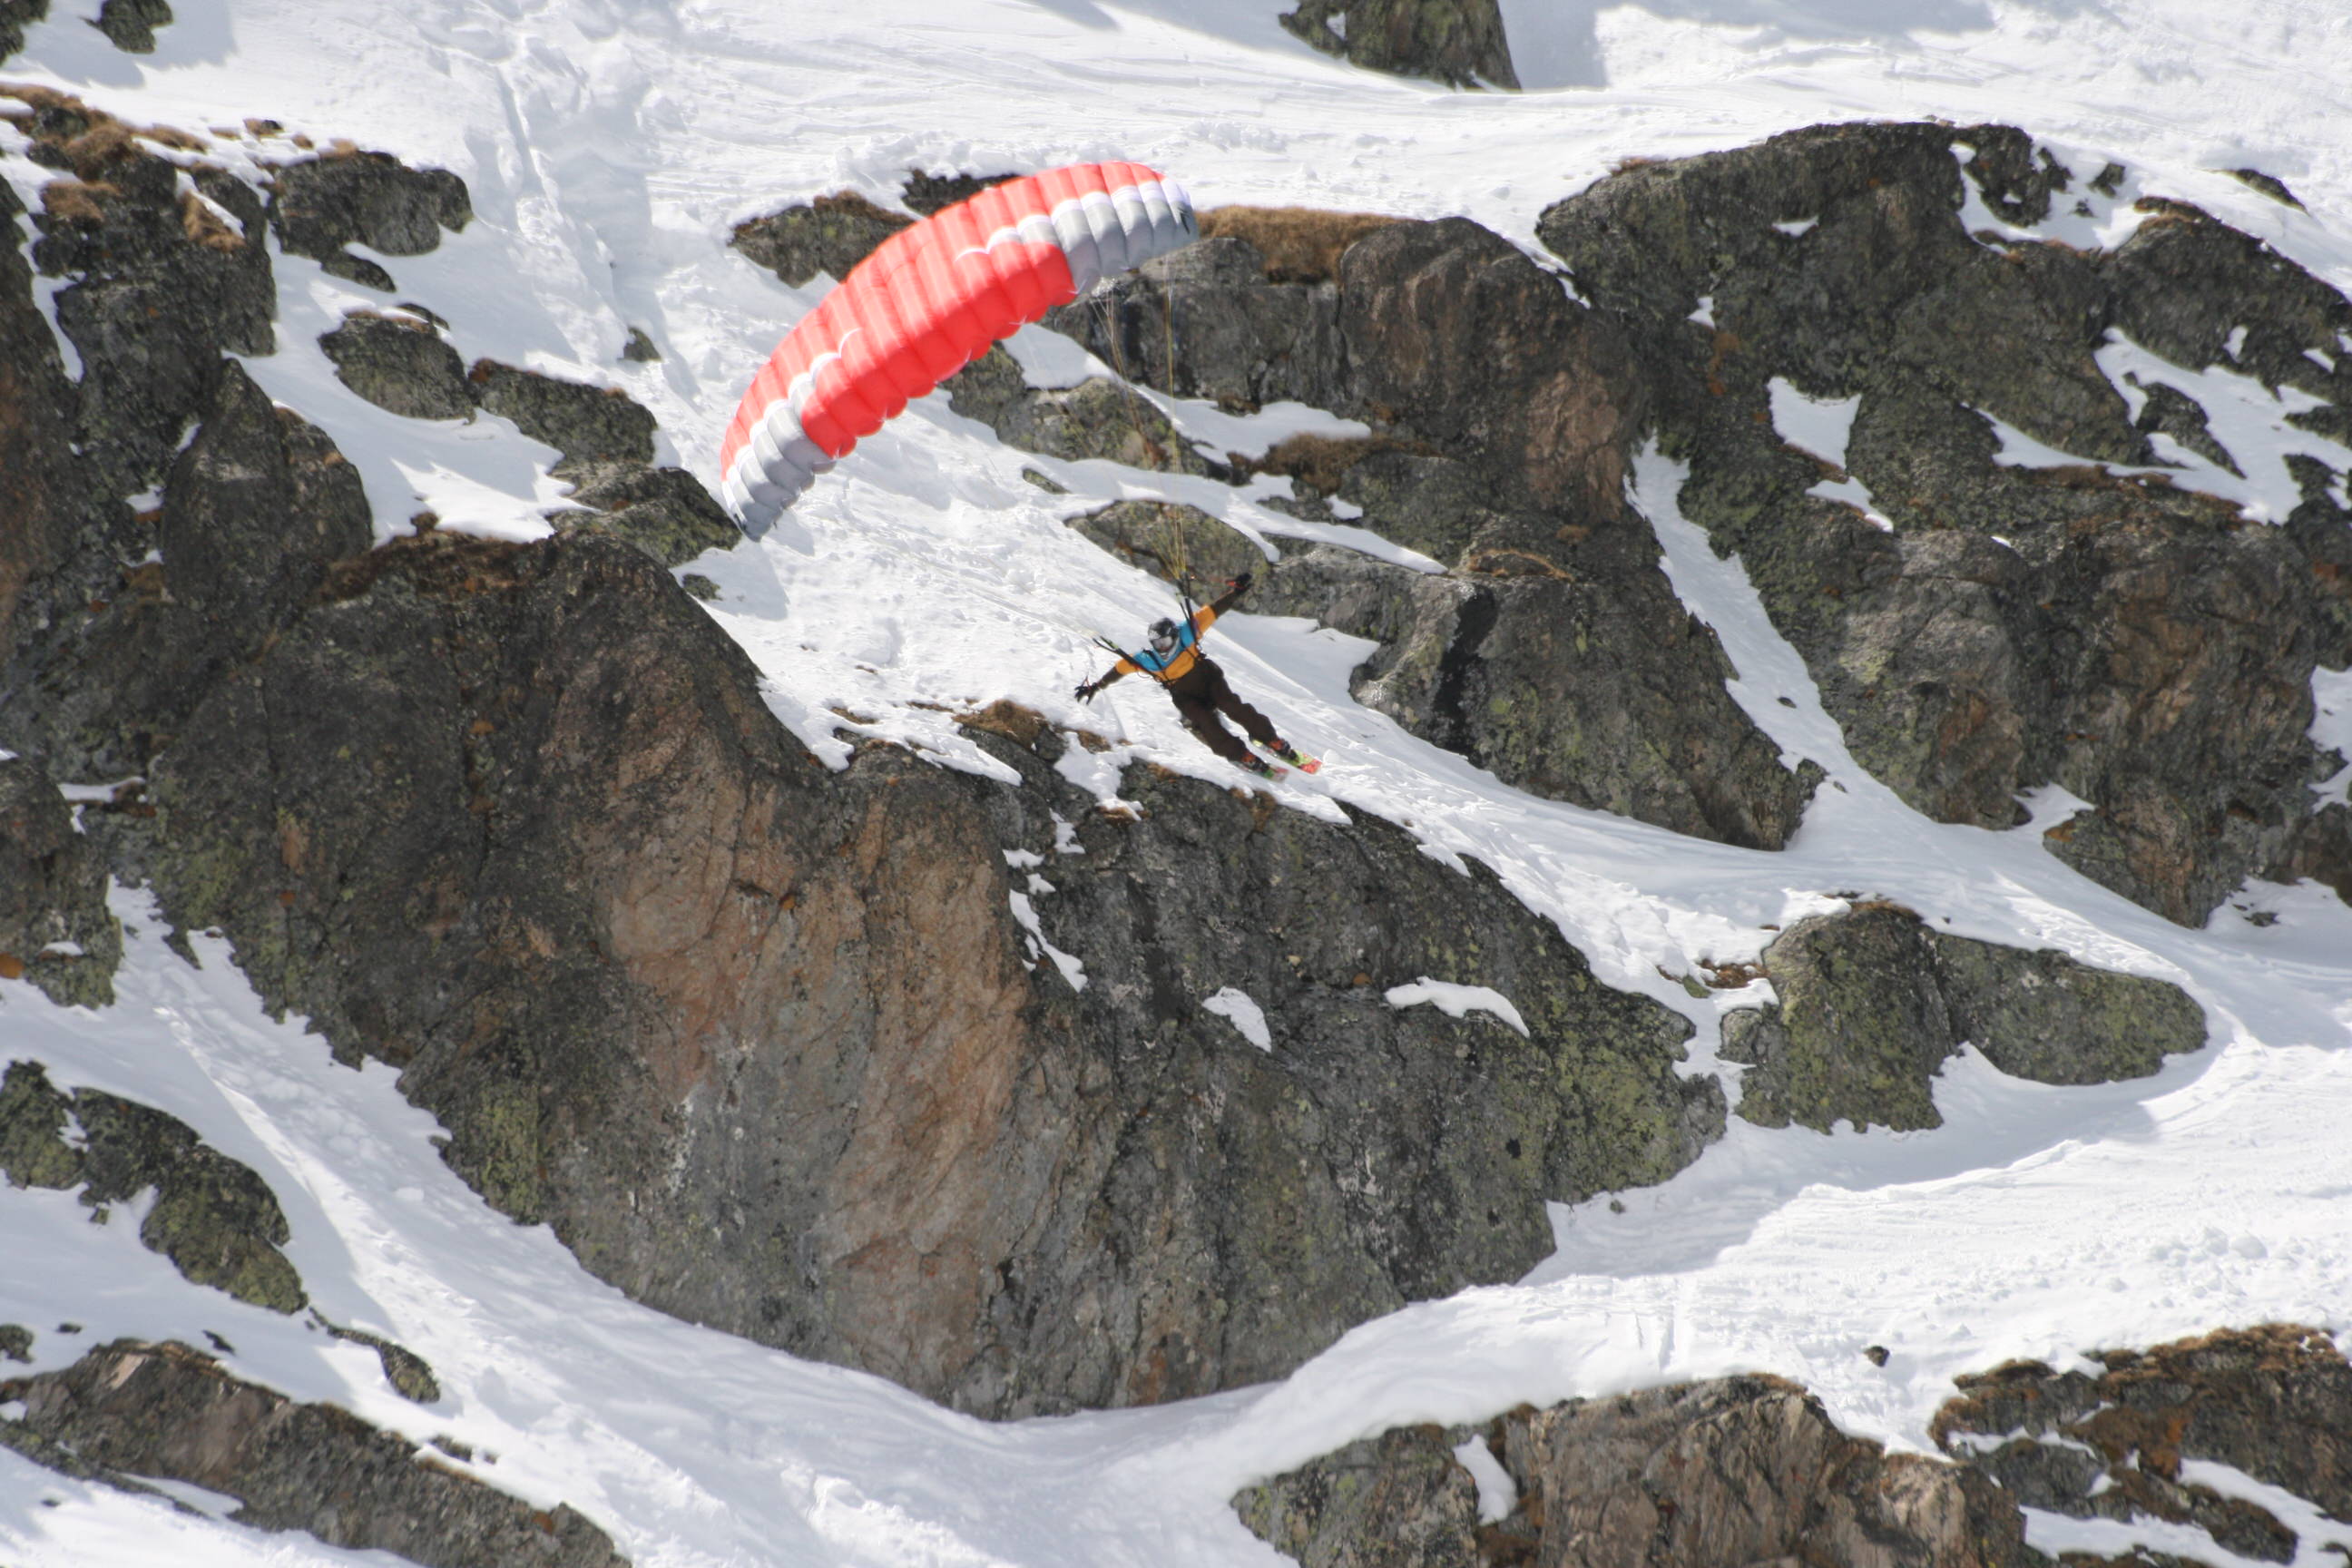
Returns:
<point x="609" y="148"/>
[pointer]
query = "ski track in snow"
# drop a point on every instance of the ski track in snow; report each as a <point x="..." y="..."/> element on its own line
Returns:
<point x="609" y="146"/>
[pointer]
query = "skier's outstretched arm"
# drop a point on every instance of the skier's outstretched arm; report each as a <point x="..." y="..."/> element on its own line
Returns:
<point x="1086" y="688"/>
<point x="1203" y="617"/>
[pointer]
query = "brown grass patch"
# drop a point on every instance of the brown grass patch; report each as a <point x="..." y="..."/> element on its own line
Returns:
<point x="1322" y="461"/>
<point x="204" y="226"/>
<point x="1004" y="717"/>
<point x="71" y="201"/>
<point x="1300" y="244"/>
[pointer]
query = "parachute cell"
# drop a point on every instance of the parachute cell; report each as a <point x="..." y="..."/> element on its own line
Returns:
<point x="930" y="300"/>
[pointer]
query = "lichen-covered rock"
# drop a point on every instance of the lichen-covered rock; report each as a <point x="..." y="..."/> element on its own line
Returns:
<point x="1858" y="1032"/>
<point x="322" y="204"/>
<point x="410" y="1374"/>
<point x="926" y="193"/>
<point x="44" y="574"/>
<point x="665" y="513"/>
<point x="132" y="1409"/>
<point x="400" y="365"/>
<point x="56" y="929"/>
<point x="1745" y="1470"/>
<point x="129" y="25"/>
<point x="162" y="286"/>
<point x="216" y="1220"/>
<point x="258" y="506"/>
<point x="959" y="1232"/>
<point x="16" y="15"/>
<point x="586" y="423"/>
<point x="1397" y="1500"/>
<point x="1097" y="418"/>
<point x="2131" y="640"/>
<point x="1872" y="1001"/>
<point x="830" y="234"/>
<point x="2273" y="1403"/>
<point x="1172" y="541"/>
<point x="1458" y="42"/>
<point x="16" y="1340"/>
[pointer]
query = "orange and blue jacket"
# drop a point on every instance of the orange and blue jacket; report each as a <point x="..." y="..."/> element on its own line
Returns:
<point x="1176" y="666"/>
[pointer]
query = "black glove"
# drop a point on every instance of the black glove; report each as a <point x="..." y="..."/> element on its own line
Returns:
<point x="1087" y="689"/>
<point x="1242" y="584"/>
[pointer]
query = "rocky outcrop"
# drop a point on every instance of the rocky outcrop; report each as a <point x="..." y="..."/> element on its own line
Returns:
<point x="1458" y="42"/>
<point x="1736" y="1470"/>
<point x="2273" y="1404"/>
<point x="401" y="364"/>
<point x="16" y="15"/>
<point x="259" y="505"/>
<point x="830" y="236"/>
<point x="889" y="1129"/>
<point x="1099" y="417"/>
<point x="1750" y="1470"/>
<point x="344" y="196"/>
<point x="1872" y="1001"/>
<point x="165" y="281"/>
<point x="132" y="1410"/>
<point x="2132" y="640"/>
<point x="129" y="25"/>
<point x="216" y="1220"/>
<point x="1502" y="414"/>
<point x="55" y="928"/>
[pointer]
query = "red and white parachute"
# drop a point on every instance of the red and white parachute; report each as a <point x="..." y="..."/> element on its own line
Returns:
<point x="929" y="301"/>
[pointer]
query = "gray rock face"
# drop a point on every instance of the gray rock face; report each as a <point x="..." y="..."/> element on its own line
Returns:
<point x="129" y="25"/>
<point x="16" y="15"/>
<point x="55" y="928"/>
<point x="403" y="365"/>
<point x="1737" y="1471"/>
<point x="944" y="1148"/>
<point x="256" y="508"/>
<point x="1503" y="413"/>
<point x="2274" y="1403"/>
<point x="346" y="196"/>
<point x="1750" y="1470"/>
<point x="216" y="1220"/>
<point x="1097" y="418"/>
<point x="586" y="423"/>
<point x="132" y="1409"/>
<point x="162" y="286"/>
<point x="2134" y="642"/>
<point x="400" y="365"/>
<point x="830" y="234"/>
<point x="1872" y="1001"/>
<point x="1458" y="42"/>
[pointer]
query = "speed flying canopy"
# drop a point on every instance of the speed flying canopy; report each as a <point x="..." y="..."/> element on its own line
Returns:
<point x="929" y="301"/>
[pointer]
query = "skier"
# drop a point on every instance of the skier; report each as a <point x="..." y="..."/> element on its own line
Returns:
<point x="1197" y="687"/>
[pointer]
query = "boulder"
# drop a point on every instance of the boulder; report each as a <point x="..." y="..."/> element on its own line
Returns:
<point x="132" y="1409"/>
<point x="400" y="365"/>
<point x="129" y="25"/>
<point x="830" y="234"/>
<point x="345" y="196"/>
<point x="1872" y="1001"/>
<point x="1458" y="42"/>
<point x="215" y="1219"/>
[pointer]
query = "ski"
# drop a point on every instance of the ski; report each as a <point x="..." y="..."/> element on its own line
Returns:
<point x="1305" y="764"/>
